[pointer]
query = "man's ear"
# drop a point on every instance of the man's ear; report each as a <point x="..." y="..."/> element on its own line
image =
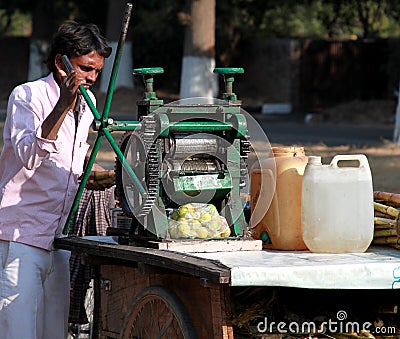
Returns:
<point x="58" y="63"/>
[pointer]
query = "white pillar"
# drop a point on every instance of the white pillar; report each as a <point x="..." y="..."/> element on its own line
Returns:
<point x="38" y="50"/>
<point x="197" y="78"/>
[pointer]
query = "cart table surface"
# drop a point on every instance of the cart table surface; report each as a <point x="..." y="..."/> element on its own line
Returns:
<point x="378" y="268"/>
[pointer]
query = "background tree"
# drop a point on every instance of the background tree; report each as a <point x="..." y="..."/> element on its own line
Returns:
<point x="198" y="62"/>
<point x="158" y="34"/>
<point x="46" y="16"/>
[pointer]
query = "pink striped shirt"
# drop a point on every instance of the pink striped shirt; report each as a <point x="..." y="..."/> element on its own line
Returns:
<point x="39" y="177"/>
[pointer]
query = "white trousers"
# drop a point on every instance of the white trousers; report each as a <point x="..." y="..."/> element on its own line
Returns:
<point x="34" y="292"/>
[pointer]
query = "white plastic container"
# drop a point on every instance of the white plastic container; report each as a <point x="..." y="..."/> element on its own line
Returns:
<point x="337" y="205"/>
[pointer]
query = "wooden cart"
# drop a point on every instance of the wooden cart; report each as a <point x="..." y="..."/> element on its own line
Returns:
<point x="147" y="293"/>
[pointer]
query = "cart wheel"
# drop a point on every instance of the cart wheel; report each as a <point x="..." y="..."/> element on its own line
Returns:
<point x="156" y="312"/>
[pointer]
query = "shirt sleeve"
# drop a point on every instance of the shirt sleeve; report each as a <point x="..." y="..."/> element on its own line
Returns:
<point x="26" y="111"/>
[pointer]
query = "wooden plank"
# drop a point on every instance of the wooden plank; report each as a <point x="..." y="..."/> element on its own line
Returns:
<point x="196" y="246"/>
<point x="124" y="284"/>
<point x="221" y="314"/>
<point x="180" y="262"/>
<point x="208" y="307"/>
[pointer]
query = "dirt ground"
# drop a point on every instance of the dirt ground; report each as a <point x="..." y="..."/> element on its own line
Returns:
<point x="384" y="162"/>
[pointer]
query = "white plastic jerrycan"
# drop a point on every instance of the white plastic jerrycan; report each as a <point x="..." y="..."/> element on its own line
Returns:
<point x="338" y="205"/>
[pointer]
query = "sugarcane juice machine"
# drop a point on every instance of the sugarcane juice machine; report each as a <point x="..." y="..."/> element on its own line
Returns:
<point x="192" y="150"/>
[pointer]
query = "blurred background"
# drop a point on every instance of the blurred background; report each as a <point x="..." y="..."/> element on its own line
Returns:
<point x="335" y="59"/>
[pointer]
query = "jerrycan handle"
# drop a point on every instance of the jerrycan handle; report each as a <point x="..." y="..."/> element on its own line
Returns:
<point x="361" y="158"/>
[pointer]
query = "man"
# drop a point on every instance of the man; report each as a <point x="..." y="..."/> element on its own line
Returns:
<point x="42" y="158"/>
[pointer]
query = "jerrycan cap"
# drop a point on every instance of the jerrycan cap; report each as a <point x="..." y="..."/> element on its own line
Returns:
<point x="314" y="160"/>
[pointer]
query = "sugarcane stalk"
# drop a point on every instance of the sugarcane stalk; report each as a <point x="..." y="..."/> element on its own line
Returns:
<point x="386" y="209"/>
<point x="384" y="309"/>
<point x="342" y="335"/>
<point x="385" y="222"/>
<point x="101" y="175"/>
<point x="382" y="227"/>
<point x="384" y="233"/>
<point x="383" y="215"/>
<point x="393" y="198"/>
<point x="385" y="241"/>
<point x="365" y="333"/>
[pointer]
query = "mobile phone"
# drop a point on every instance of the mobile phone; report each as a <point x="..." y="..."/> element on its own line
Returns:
<point x="70" y="68"/>
<point x="67" y="63"/>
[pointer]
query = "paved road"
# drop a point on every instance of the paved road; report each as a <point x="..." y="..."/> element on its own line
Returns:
<point x="293" y="130"/>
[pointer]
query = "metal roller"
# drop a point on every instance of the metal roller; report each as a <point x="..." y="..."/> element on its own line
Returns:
<point x="194" y="165"/>
<point x="187" y="146"/>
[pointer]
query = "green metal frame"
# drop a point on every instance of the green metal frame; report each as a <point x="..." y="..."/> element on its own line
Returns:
<point x="102" y="122"/>
<point x="105" y="126"/>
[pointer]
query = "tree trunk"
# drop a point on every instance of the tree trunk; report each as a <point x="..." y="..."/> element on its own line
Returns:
<point x="116" y="10"/>
<point x="197" y="78"/>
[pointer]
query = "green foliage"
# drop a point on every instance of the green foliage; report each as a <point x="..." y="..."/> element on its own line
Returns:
<point x="16" y="23"/>
<point x="158" y="26"/>
<point x="268" y="18"/>
<point x="239" y="20"/>
<point x="15" y="12"/>
<point x="311" y="18"/>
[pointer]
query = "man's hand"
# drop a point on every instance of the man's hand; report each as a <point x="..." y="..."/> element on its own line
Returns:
<point x="69" y="88"/>
<point x="100" y="180"/>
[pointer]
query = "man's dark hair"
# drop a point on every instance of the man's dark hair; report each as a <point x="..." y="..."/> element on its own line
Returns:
<point x="74" y="39"/>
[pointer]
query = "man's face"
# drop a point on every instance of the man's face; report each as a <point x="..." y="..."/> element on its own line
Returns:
<point x="87" y="66"/>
